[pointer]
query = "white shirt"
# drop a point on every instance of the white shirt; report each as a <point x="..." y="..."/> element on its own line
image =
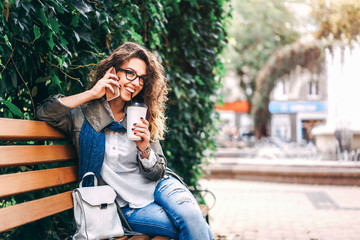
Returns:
<point x="121" y="170"/>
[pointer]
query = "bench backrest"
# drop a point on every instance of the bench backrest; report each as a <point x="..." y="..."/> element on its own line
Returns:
<point x="13" y="155"/>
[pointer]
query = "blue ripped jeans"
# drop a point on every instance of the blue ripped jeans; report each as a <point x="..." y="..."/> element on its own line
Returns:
<point x="175" y="213"/>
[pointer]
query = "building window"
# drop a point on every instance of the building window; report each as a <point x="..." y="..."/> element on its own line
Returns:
<point x="313" y="89"/>
<point x="283" y="87"/>
<point x="281" y="90"/>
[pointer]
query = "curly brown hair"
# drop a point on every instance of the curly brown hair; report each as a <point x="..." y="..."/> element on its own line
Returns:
<point x="154" y="93"/>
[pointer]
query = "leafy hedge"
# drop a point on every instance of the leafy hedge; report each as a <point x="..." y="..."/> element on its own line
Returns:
<point x="49" y="46"/>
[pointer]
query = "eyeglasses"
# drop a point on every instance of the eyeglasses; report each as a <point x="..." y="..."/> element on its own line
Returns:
<point x="131" y="76"/>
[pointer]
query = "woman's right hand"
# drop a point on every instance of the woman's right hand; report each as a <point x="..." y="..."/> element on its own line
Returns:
<point x="108" y="81"/>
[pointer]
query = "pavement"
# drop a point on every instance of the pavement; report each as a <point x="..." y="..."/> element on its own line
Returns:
<point x="276" y="204"/>
<point x="250" y="210"/>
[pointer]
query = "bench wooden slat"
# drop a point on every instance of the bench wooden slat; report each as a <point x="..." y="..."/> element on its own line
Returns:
<point x="16" y="183"/>
<point x="17" y="155"/>
<point x="143" y="237"/>
<point x="161" y="238"/>
<point x="17" y="215"/>
<point x="18" y="129"/>
<point x="204" y="209"/>
<point x="140" y="237"/>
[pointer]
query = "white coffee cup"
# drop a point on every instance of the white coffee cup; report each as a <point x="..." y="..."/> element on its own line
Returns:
<point x="134" y="112"/>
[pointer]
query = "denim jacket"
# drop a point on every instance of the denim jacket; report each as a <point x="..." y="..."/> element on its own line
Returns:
<point x="70" y="121"/>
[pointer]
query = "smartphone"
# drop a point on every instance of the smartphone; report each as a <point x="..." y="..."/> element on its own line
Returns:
<point x="109" y="95"/>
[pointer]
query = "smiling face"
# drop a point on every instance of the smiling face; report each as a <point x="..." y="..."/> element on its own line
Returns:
<point x="137" y="66"/>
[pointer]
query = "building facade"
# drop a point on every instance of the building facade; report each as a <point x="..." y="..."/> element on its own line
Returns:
<point x="298" y="104"/>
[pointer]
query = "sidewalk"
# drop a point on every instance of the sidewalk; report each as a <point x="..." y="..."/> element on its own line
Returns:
<point x="279" y="211"/>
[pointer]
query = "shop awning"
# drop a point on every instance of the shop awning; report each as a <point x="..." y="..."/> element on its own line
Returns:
<point x="237" y="106"/>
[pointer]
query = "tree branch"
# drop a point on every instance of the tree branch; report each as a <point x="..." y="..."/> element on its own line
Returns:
<point x="22" y="79"/>
<point x="7" y="62"/>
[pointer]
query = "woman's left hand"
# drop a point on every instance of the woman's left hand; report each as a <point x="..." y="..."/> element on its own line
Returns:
<point x="142" y="130"/>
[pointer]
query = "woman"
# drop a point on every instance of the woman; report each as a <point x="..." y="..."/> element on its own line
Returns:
<point x="152" y="200"/>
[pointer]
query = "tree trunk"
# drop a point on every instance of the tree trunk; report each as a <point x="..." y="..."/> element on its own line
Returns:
<point x="261" y="119"/>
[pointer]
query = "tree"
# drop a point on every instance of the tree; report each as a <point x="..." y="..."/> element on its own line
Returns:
<point x="337" y="21"/>
<point x="307" y="55"/>
<point x="258" y="28"/>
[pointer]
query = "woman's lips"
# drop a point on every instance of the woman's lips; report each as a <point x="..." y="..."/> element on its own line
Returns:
<point x="130" y="90"/>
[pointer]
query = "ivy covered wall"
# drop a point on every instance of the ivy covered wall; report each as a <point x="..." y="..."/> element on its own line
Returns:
<point x="49" y="46"/>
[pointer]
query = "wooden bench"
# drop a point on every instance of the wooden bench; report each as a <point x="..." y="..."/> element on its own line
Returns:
<point x="44" y="149"/>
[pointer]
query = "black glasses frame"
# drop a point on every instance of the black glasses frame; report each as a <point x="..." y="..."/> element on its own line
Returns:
<point x="127" y="71"/>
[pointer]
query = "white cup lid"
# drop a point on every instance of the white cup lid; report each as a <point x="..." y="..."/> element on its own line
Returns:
<point x="137" y="104"/>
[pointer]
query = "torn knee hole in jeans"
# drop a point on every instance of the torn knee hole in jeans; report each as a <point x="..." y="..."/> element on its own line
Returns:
<point x="130" y="212"/>
<point x="175" y="191"/>
<point x="164" y="187"/>
<point x="185" y="199"/>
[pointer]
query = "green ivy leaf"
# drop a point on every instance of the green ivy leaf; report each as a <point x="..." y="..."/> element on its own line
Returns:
<point x="75" y="21"/>
<point x="77" y="36"/>
<point x="82" y="7"/>
<point x="37" y="33"/>
<point x="199" y="81"/>
<point x="178" y="92"/>
<point x="42" y="16"/>
<point x="54" y="25"/>
<point x="14" y="109"/>
<point x="136" y="36"/>
<point x="56" y="80"/>
<point x="34" y="91"/>
<point x="14" y="78"/>
<point x="63" y="41"/>
<point x="50" y="42"/>
<point x="7" y="42"/>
